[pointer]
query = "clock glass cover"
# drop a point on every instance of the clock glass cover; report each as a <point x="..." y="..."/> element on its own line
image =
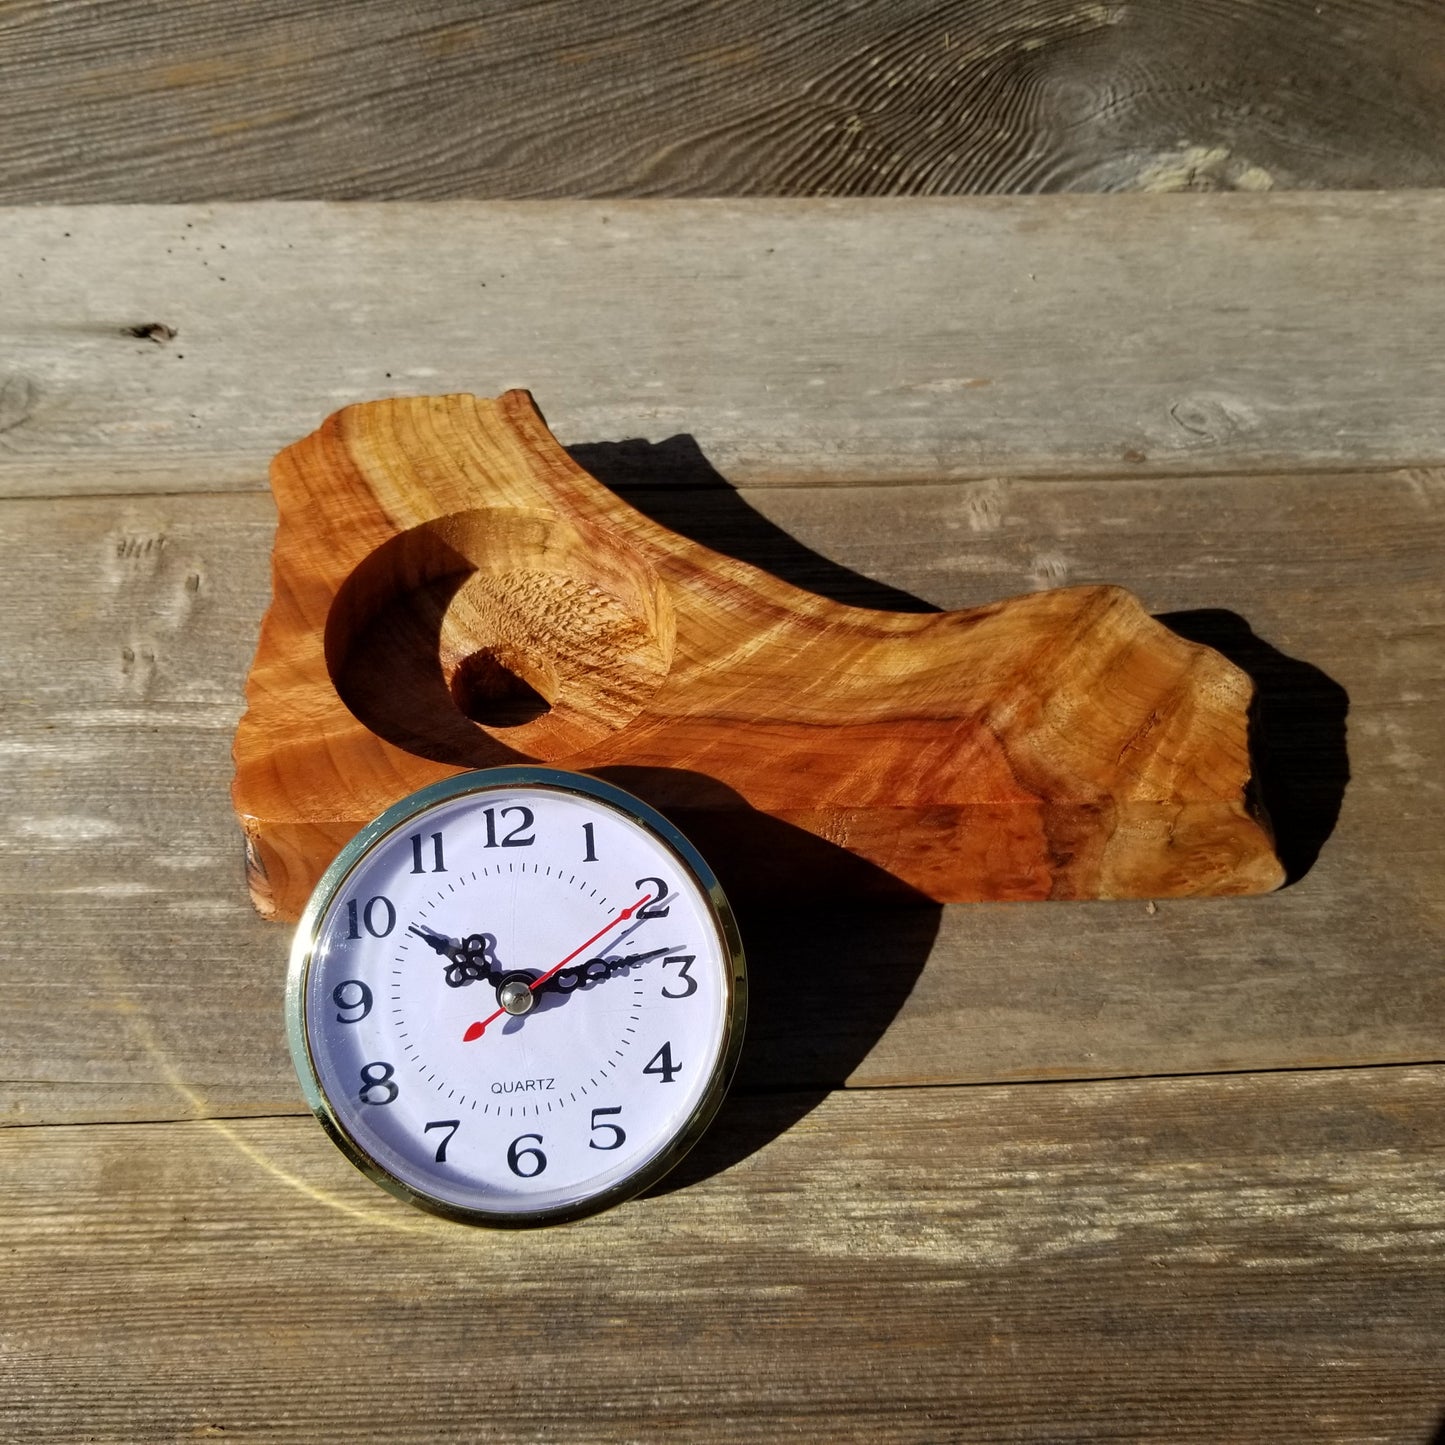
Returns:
<point x="516" y="997"/>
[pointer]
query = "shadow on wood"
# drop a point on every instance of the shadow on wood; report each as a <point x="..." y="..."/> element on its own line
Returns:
<point x="824" y="983"/>
<point x="1298" y="724"/>
<point x="824" y="980"/>
<point x="663" y="480"/>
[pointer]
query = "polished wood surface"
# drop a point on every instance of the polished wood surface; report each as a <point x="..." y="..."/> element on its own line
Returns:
<point x="451" y="590"/>
<point x="1029" y="1172"/>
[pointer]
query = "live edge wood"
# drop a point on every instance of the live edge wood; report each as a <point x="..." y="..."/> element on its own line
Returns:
<point x="452" y="590"/>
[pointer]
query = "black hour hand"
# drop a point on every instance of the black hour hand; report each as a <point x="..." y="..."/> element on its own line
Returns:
<point x="472" y="959"/>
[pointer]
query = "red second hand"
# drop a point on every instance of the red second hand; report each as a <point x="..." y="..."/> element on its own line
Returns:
<point x="476" y="1030"/>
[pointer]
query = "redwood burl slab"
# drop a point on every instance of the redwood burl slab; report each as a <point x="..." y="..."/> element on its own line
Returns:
<point x="453" y="591"/>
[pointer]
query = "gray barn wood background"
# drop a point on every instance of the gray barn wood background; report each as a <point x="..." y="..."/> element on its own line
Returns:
<point x="200" y="100"/>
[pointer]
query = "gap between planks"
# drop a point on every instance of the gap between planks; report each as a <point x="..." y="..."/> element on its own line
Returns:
<point x="799" y="1091"/>
<point x="1282" y="472"/>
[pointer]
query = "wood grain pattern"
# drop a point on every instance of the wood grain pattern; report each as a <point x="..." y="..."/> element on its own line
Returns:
<point x="122" y="685"/>
<point x="437" y="99"/>
<point x="451" y="590"/>
<point x="795" y="342"/>
<point x="1254" y="1258"/>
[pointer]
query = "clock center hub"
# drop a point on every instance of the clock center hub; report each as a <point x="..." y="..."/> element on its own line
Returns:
<point x="516" y="997"/>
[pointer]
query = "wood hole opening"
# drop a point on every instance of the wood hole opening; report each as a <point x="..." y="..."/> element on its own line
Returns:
<point x="491" y="687"/>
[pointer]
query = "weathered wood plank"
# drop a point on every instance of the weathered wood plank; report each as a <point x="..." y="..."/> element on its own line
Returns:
<point x="121" y="680"/>
<point x="795" y="341"/>
<point x="189" y="102"/>
<point x="1250" y="1258"/>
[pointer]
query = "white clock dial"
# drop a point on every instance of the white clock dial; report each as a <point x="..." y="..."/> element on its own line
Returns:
<point x="516" y="997"/>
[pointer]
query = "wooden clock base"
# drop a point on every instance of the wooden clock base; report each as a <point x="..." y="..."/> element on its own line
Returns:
<point x="452" y="590"/>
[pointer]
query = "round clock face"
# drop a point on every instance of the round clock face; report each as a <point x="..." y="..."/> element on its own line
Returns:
<point x="517" y="997"/>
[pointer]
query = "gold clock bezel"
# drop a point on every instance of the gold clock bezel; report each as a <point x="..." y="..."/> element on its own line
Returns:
<point x="487" y="780"/>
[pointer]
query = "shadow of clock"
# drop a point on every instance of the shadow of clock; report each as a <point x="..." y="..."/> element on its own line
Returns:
<point x="825" y="979"/>
<point x="824" y="985"/>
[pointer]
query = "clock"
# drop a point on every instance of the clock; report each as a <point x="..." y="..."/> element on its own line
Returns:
<point x="517" y="997"/>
